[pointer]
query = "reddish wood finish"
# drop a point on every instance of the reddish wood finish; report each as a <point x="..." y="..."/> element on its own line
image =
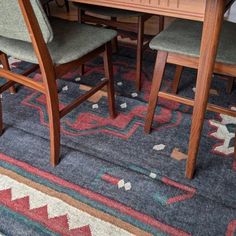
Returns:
<point x="5" y="64"/>
<point x="190" y="102"/>
<point x="189" y="9"/>
<point x="156" y="85"/>
<point x="115" y="40"/>
<point x="205" y="64"/>
<point x="193" y="62"/>
<point x="1" y="123"/>
<point x="230" y="84"/>
<point x="178" y="73"/>
<point x="211" y="29"/>
<point x="48" y="85"/>
<point x="109" y="75"/>
<point x="235" y="148"/>
<point x="135" y="27"/>
<point x="139" y="52"/>
<point x="209" y="11"/>
<point x="161" y="23"/>
<point x="80" y="14"/>
<point x="186" y="61"/>
<point x="9" y="84"/>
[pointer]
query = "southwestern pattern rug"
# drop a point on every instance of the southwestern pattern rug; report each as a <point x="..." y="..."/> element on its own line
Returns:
<point x="112" y="178"/>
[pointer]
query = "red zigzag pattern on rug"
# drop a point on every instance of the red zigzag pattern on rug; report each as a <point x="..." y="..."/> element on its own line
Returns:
<point x="57" y="224"/>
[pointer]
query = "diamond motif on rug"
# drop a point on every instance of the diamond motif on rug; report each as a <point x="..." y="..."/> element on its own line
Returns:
<point x="225" y="132"/>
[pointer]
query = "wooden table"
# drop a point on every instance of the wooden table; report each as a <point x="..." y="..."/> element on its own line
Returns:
<point x="211" y="13"/>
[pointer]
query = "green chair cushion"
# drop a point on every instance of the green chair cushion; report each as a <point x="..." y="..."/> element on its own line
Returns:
<point x="12" y="24"/>
<point x="71" y="41"/>
<point x="107" y="11"/>
<point x="184" y="37"/>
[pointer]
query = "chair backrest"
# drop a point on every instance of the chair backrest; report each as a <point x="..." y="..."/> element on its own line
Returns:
<point x="12" y="24"/>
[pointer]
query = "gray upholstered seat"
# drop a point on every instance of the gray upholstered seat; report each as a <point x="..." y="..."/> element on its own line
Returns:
<point x="71" y="41"/>
<point x="107" y="11"/>
<point x="184" y="37"/>
<point x="15" y="28"/>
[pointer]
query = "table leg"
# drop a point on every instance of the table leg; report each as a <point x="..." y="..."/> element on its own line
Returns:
<point x="235" y="146"/>
<point x="67" y="5"/>
<point x="210" y="37"/>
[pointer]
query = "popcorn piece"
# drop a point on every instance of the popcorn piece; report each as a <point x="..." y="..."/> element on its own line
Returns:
<point x="128" y="186"/>
<point x="123" y="105"/>
<point x="77" y="79"/>
<point x="65" y="88"/>
<point x="153" y="175"/>
<point x="95" y="106"/>
<point x="159" y="147"/>
<point x="134" y="95"/>
<point x="121" y="183"/>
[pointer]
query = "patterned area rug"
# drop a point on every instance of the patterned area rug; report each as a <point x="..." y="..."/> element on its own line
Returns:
<point x="112" y="178"/>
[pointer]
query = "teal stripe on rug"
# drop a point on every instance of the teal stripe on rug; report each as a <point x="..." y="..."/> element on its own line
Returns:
<point x="77" y="196"/>
<point x="33" y="227"/>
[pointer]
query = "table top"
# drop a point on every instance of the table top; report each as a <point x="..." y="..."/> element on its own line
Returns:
<point x="188" y="9"/>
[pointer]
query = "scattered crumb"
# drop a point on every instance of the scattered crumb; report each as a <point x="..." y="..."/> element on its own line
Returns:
<point x="95" y="106"/>
<point x="159" y="147"/>
<point x="77" y="79"/>
<point x="65" y="88"/>
<point x="177" y="155"/>
<point x="123" y="105"/>
<point x="134" y="95"/>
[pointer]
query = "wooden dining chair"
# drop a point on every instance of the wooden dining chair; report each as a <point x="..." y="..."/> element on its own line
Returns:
<point x="178" y="73"/>
<point x="56" y="47"/>
<point x="5" y="65"/>
<point x="235" y="146"/>
<point x="84" y="15"/>
<point x="179" y="44"/>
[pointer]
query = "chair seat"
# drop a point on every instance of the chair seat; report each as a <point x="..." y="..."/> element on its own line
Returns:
<point x="184" y="37"/>
<point x="107" y="11"/>
<point x="71" y="41"/>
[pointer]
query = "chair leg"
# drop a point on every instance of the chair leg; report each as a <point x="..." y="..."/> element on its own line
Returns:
<point x="54" y="122"/>
<point x="80" y="20"/>
<point x="178" y="73"/>
<point x="109" y="75"/>
<point x="115" y="40"/>
<point x="156" y="85"/>
<point x="139" y="52"/>
<point x="235" y="146"/>
<point x="230" y="85"/>
<point x="1" y="120"/>
<point x="67" y="5"/>
<point x="54" y="128"/>
<point x="6" y="66"/>
<point x="81" y="69"/>
<point x="161" y="23"/>
<point x="115" y="45"/>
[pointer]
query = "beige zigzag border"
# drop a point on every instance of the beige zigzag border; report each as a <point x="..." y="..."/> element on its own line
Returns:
<point x="75" y="203"/>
